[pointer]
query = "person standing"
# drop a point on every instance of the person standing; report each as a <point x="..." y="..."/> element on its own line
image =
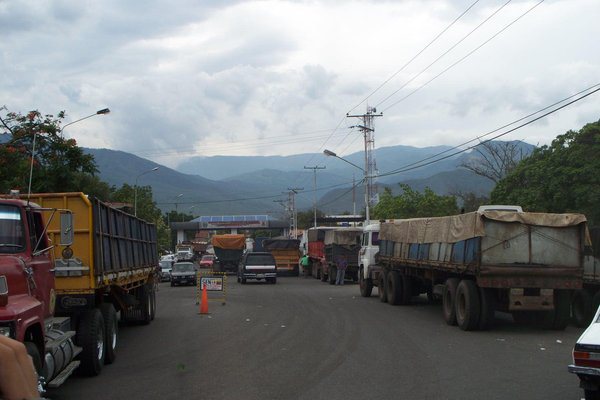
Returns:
<point x="304" y="263"/>
<point x="342" y="264"/>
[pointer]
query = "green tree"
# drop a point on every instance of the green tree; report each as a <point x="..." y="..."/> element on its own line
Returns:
<point x="413" y="204"/>
<point x="59" y="165"/>
<point x="561" y="177"/>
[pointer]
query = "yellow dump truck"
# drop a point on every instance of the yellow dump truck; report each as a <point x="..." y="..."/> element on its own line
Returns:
<point x="286" y="253"/>
<point x="110" y="267"/>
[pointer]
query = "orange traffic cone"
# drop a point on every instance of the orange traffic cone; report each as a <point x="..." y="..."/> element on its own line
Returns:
<point x="204" y="301"/>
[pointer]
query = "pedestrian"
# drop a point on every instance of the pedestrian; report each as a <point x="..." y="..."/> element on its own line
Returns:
<point x="304" y="263"/>
<point x="342" y="264"/>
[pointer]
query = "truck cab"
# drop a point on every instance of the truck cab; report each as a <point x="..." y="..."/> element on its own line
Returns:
<point x="366" y="258"/>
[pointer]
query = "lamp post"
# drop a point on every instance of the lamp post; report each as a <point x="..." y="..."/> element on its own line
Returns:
<point x="99" y="112"/>
<point x="330" y="153"/>
<point x="136" y="186"/>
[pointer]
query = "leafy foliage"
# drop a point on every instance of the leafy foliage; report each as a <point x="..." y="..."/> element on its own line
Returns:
<point x="561" y="177"/>
<point x="59" y="165"/>
<point x="413" y="204"/>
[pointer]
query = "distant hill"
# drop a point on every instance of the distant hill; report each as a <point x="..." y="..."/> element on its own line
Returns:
<point x="243" y="185"/>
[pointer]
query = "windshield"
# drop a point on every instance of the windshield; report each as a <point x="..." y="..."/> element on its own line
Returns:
<point x="260" y="259"/>
<point x="166" y="264"/>
<point x="207" y="258"/>
<point x="375" y="239"/>
<point x="184" y="267"/>
<point x="11" y="230"/>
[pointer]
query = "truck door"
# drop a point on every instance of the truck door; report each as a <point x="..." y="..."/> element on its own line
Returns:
<point x="41" y="261"/>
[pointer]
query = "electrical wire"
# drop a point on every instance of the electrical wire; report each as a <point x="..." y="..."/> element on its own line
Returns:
<point x="443" y="54"/>
<point x="400" y="170"/>
<point x="502" y="127"/>
<point x="464" y="57"/>
<point x="414" y="57"/>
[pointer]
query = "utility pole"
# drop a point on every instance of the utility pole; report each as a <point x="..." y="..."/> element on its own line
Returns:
<point x="294" y="213"/>
<point x="315" y="168"/>
<point x="368" y="130"/>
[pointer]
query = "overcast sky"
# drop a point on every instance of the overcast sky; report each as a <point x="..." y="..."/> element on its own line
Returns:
<point x="186" y="78"/>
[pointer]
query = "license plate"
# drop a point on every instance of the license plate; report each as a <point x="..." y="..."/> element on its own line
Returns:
<point x="260" y="275"/>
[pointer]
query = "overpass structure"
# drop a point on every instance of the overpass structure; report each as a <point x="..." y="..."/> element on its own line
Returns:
<point x="227" y="224"/>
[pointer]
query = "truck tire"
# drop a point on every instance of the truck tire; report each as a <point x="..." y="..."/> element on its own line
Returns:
<point x="468" y="306"/>
<point x="90" y="337"/>
<point x="381" y="287"/>
<point x="111" y="332"/>
<point x="488" y="308"/>
<point x="331" y="274"/>
<point x="559" y="318"/>
<point x="581" y="308"/>
<point x="153" y="303"/>
<point x="34" y="353"/>
<point x="366" y="285"/>
<point x="393" y="288"/>
<point x="145" y="303"/>
<point x="449" y="300"/>
<point x="407" y="288"/>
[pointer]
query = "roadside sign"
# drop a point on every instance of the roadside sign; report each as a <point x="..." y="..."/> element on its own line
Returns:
<point x="213" y="284"/>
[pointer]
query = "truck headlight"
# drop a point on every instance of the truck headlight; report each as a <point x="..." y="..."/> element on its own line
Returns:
<point x="6" y="330"/>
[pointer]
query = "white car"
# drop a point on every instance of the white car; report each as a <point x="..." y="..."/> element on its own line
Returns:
<point x="586" y="359"/>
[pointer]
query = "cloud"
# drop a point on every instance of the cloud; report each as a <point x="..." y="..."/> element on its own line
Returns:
<point x="186" y="78"/>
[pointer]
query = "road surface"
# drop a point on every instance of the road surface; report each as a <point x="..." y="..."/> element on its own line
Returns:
<point x="304" y="339"/>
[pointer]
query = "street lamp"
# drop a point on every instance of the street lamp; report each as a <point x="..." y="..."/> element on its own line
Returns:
<point x="99" y="112"/>
<point x="330" y="153"/>
<point x="136" y="186"/>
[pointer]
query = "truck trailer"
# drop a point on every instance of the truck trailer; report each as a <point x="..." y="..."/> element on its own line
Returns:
<point x="70" y="264"/>
<point x="341" y="243"/>
<point x="315" y="240"/>
<point x="286" y="253"/>
<point x="527" y="264"/>
<point x="229" y="249"/>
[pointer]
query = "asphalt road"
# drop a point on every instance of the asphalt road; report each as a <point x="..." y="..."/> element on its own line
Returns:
<point x="303" y="339"/>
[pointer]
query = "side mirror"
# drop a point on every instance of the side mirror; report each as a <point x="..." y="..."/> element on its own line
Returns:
<point x="66" y="228"/>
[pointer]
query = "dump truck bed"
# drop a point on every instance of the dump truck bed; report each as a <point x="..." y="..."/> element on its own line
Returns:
<point x="115" y="247"/>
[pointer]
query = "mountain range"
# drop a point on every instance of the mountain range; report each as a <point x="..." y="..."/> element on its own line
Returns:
<point x="229" y="185"/>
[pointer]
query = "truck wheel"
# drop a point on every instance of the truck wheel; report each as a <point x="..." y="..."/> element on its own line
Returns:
<point x="468" y="306"/>
<point x="449" y="300"/>
<point x="34" y="353"/>
<point x="558" y="319"/>
<point x="90" y="337"/>
<point x="366" y="285"/>
<point x="145" y="306"/>
<point x="581" y="308"/>
<point x="393" y="288"/>
<point x="111" y="329"/>
<point x="332" y="274"/>
<point x="381" y="287"/>
<point x="407" y="287"/>
<point x="154" y="303"/>
<point x="488" y="308"/>
<point x="243" y="281"/>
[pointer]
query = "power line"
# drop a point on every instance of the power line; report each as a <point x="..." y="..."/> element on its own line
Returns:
<point x="394" y="172"/>
<point x="444" y="54"/>
<point x="391" y="77"/>
<point x="465" y="57"/>
<point x="415" y="56"/>
<point x="502" y="127"/>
